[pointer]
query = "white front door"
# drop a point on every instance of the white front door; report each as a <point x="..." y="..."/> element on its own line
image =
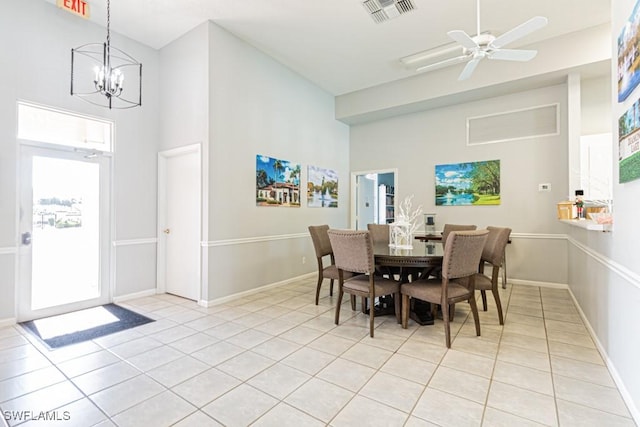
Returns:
<point x="64" y="226"/>
<point x="179" y="212"/>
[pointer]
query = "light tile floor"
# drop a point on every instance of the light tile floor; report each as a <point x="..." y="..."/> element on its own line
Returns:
<point x="275" y="359"/>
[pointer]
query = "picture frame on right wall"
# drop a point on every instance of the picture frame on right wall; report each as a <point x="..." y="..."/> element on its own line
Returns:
<point x="629" y="144"/>
<point x="629" y="55"/>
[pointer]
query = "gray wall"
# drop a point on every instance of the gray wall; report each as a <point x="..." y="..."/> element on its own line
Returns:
<point x="36" y="39"/>
<point x="257" y="107"/>
<point x="415" y="143"/>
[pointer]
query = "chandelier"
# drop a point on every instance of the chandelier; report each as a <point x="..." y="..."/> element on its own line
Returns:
<point x="98" y="74"/>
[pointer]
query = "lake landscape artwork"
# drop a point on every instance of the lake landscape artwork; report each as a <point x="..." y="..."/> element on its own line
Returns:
<point x="277" y="182"/>
<point x="464" y="184"/>
<point x="322" y="187"/>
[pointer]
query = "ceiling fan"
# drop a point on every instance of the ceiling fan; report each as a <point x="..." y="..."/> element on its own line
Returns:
<point x="486" y="45"/>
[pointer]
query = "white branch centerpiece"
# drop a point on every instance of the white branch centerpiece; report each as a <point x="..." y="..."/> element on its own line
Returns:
<point x="405" y="224"/>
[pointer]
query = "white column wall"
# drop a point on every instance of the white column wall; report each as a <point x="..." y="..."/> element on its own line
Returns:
<point x="604" y="274"/>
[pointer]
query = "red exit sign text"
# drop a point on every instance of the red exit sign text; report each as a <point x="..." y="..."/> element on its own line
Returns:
<point x="77" y="7"/>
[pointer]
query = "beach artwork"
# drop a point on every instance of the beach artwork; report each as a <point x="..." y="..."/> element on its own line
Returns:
<point x="322" y="187"/>
<point x="277" y="182"/>
<point x="464" y="184"/>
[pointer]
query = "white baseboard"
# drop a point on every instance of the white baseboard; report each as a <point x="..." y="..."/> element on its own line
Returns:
<point x="141" y="294"/>
<point x="228" y="298"/>
<point x="626" y="396"/>
<point x="540" y="284"/>
<point x="9" y="321"/>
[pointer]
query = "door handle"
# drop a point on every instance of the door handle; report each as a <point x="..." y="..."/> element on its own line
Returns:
<point x="166" y="231"/>
<point x="26" y="238"/>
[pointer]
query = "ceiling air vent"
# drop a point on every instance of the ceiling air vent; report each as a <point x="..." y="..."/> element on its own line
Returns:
<point x="383" y="10"/>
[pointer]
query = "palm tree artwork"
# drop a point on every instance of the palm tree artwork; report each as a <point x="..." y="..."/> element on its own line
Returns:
<point x="277" y="182"/>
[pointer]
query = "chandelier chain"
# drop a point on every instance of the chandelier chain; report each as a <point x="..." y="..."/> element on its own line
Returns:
<point x="108" y="22"/>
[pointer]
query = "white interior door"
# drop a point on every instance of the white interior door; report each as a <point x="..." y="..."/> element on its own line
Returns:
<point x="366" y="201"/>
<point x="179" y="219"/>
<point x="64" y="226"/>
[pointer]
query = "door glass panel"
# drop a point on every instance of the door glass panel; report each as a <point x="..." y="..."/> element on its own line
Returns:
<point x="66" y="232"/>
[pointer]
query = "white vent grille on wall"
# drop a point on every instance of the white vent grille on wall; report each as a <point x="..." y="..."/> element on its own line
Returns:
<point x="514" y="125"/>
<point x="383" y="10"/>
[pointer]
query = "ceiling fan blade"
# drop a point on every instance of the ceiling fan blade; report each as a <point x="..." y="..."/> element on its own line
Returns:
<point x="463" y="38"/>
<point x="513" y="54"/>
<point x="445" y="63"/>
<point x="521" y="30"/>
<point x="468" y="69"/>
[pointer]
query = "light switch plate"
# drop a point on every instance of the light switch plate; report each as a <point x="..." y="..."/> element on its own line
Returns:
<point x="544" y="187"/>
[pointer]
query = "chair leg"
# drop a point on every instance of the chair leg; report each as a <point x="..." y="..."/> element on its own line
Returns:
<point x="405" y="310"/>
<point x="364" y="305"/>
<point x="484" y="300"/>
<point x="396" y="302"/>
<point x="452" y="312"/>
<point x="338" y="304"/>
<point x="498" y="304"/>
<point x="318" y="288"/>
<point x="447" y="327"/>
<point x="353" y="302"/>
<point x="474" y="310"/>
<point x="371" y="317"/>
<point x="331" y="288"/>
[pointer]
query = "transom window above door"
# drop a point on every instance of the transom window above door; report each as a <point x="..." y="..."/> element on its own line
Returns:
<point x="42" y="124"/>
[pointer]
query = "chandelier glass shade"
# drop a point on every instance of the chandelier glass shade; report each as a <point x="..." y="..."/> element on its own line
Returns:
<point x="98" y="74"/>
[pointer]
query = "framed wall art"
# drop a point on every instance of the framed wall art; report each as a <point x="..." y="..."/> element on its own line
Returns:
<point x="629" y="144"/>
<point x="277" y="182"/>
<point x="629" y="55"/>
<point x="475" y="183"/>
<point x="322" y="187"/>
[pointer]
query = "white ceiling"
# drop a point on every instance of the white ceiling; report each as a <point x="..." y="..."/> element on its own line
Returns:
<point x="335" y="43"/>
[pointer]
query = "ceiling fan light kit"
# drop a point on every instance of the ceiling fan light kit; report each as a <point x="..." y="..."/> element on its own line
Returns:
<point x="485" y="45"/>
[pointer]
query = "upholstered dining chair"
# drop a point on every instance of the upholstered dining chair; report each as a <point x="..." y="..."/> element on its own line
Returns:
<point x="379" y="233"/>
<point x="322" y="246"/>
<point x="462" y="253"/>
<point x="448" y="228"/>
<point x="492" y="254"/>
<point x="353" y="252"/>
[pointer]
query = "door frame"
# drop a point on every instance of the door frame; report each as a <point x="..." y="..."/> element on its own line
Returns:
<point x="163" y="156"/>
<point x="354" y="193"/>
<point x="107" y="234"/>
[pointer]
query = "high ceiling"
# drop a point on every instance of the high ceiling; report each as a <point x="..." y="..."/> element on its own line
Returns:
<point x="335" y="43"/>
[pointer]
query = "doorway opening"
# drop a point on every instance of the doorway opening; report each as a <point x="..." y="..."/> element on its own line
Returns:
<point x="373" y="197"/>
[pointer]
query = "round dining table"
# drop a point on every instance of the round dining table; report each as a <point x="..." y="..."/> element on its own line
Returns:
<point x="418" y="262"/>
<point x="422" y="255"/>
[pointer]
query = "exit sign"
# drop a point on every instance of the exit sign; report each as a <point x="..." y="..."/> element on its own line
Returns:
<point x="77" y="7"/>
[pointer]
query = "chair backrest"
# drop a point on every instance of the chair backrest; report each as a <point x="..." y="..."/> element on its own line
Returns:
<point x="379" y="232"/>
<point x="353" y="250"/>
<point x="448" y="228"/>
<point x="320" y="239"/>
<point x="497" y="240"/>
<point x="462" y="253"/>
